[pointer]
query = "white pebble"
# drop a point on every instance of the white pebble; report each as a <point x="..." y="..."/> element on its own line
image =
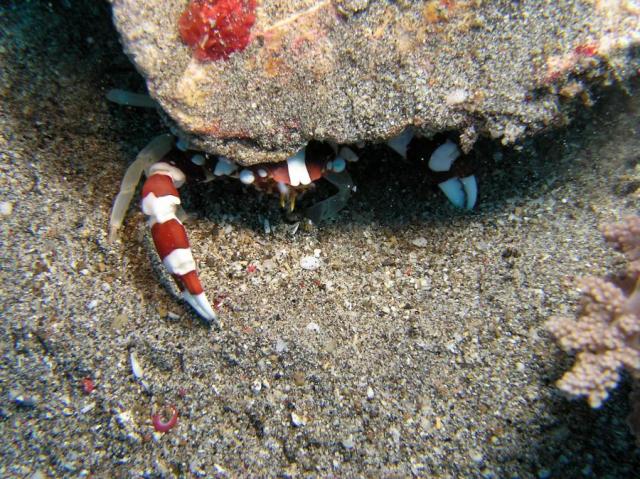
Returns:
<point x="348" y="443"/>
<point x="256" y="387"/>
<point x="476" y="456"/>
<point x="92" y="304"/>
<point x="281" y="346"/>
<point x="420" y="242"/>
<point x="457" y="96"/>
<point x="6" y="208"/>
<point x="313" y="327"/>
<point x="370" y="393"/>
<point x="310" y="263"/>
<point x="297" y="420"/>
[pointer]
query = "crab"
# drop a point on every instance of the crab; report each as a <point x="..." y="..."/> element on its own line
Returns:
<point x="266" y="151"/>
<point x="169" y="164"/>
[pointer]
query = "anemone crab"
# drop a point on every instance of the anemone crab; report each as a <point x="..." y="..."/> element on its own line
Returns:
<point x="215" y="32"/>
<point x="169" y="164"/>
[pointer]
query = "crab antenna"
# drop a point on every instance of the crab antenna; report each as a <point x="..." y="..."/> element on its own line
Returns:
<point x="152" y="153"/>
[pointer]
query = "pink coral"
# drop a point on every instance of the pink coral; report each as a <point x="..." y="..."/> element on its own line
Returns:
<point x="217" y="28"/>
<point x="606" y="335"/>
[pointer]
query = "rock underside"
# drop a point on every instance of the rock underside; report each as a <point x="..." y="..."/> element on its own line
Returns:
<point x="356" y="70"/>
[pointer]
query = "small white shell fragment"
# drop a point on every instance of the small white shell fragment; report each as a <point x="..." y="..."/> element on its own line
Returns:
<point x="348" y="443"/>
<point x="470" y="186"/>
<point x="247" y="177"/>
<point x="281" y="346"/>
<point x="348" y="154"/>
<point x="256" y="387"/>
<point x="198" y="160"/>
<point x="224" y="167"/>
<point x="297" y="420"/>
<point x="136" y="368"/>
<point x="420" y="242"/>
<point x="220" y="470"/>
<point x="444" y="156"/>
<point x="401" y="142"/>
<point x="457" y="96"/>
<point x="92" y="304"/>
<point x="370" y="393"/>
<point x="314" y="327"/>
<point x="453" y="190"/>
<point x="310" y="263"/>
<point x="6" y="209"/>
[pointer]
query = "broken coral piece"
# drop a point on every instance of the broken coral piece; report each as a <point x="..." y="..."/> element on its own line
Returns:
<point x="606" y="334"/>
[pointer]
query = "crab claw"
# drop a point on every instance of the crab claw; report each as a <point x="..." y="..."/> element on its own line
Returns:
<point x="160" y="201"/>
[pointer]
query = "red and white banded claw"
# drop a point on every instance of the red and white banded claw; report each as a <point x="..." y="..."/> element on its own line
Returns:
<point x="160" y="200"/>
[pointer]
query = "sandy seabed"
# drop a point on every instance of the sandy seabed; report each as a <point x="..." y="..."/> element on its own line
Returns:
<point x="416" y="349"/>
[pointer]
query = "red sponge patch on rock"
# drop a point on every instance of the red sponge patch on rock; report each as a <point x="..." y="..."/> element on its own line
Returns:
<point x="217" y="28"/>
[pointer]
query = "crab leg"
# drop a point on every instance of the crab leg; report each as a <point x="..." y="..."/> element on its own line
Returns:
<point x="160" y="201"/>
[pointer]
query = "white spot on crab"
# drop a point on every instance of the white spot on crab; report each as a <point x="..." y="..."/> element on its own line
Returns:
<point x="462" y="193"/>
<point x="298" y="173"/>
<point x="180" y="261"/>
<point x="224" y="167"/>
<point x="444" y="156"/>
<point x="247" y="177"/>
<point x="182" y="144"/>
<point x="401" y="142"/>
<point x="348" y="154"/>
<point x="176" y="174"/>
<point x="338" y="165"/>
<point x="160" y="209"/>
<point x="198" y="160"/>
